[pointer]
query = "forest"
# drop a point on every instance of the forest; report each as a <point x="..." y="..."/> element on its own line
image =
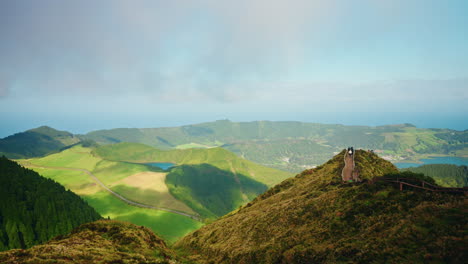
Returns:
<point x="34" y="209"/>
<point x="446" y="175"/>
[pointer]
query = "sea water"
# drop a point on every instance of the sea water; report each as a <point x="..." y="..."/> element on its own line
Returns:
<point x="435" y="160"/>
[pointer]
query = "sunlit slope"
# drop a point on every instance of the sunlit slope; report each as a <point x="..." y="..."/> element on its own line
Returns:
<point x="315" y="218"/>
<point x="36" y="142"/>
<point x="102" y="241"/>
<point x="217" y="157"/>
<point x="116" y="175"/>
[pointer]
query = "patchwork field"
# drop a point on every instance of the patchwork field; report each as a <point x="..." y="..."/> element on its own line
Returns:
<point x="133" y="181"/>
<point x="218" y="157"/>
<point x="150" y="188"/>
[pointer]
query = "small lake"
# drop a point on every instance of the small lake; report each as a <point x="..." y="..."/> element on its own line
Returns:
<point x="161" y="165"/>
<point x="435" y="160"/>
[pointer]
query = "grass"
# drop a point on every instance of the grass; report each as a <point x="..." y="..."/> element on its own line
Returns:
<point x="76" y="157"/>
<point x="218" y="157"/>
<point x="301" y="144"/>
<point x="150" y="188"/>
<point x="193" y="145"/>
<point x="210" y="191"/>
<point x="315" y="218"/>
<point x="168" y="225"/>
<point x="101" y="241"/>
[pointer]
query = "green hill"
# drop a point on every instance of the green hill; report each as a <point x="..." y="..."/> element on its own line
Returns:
<point x="211" y="181"/>
<point x="444" y="174"/>
<point x="36" y="142"/>
<point x="133" y="181"/>
<point x="102" y="241"/>
<point x="293" y="146"/>
<point x="217" y="157"/>
<point x="315" y="218"/>
<point x="210" y="191"/>
<point x="34" y="209"/>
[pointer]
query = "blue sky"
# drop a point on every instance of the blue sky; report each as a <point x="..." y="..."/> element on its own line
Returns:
<point x="84" y="65"/>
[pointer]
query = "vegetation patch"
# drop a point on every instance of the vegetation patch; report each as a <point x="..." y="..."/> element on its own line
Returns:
<point x="102" y="241"/>
<point x="217" y="157"/>
<point x="150" y="188"/>
<point x="168" y="225"/>
<point x="316" y="218"/>
<point x="34" y="209"/>
<point x="210" y="191"/>
<point x="446" y="175"/>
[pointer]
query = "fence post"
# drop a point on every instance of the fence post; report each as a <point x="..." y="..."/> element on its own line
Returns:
<point x="401" y="186"/>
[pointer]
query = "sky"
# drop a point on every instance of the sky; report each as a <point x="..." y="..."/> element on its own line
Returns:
<point x="87" y="65"/>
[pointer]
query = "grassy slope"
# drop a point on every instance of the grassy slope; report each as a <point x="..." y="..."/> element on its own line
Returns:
<point x="314" y="218"/>
<point x="217" y="157"/>
<point x="168" y="225"/>
<point x="286" y="154"/>
<point x="210" y="191"/>
<point x="36" y="142"/>
<point x="97" y="242"/>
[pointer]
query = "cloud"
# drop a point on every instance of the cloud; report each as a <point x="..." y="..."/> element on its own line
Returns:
<point x="5" y="84"/>
<point x="182" y="51"/>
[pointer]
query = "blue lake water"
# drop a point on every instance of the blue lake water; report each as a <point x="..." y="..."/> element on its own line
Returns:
<point x="161" y="165"/>
<point x="435" y="160"/>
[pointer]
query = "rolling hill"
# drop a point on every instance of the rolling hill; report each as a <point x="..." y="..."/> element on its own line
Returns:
<point x="212" y="181"/>
<point x="36" y="142"/>
<point x="217" y="157"/>
<point x="281" y="144"/>
<point x="212" y="192"/>
<point x="73" y="168"/>
<point x="315" y="218"/>
<point x="34" y="209"/>
<point x="102" y="241"/>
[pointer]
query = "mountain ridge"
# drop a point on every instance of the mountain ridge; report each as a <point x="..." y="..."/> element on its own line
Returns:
<point x="315" y="218"/>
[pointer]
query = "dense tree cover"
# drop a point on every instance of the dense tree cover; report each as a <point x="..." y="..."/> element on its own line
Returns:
<point x="36" y="142"/>
<point x="34" y="209"/>
<point x="446" y="175"/>
<point x="209" y="191"/>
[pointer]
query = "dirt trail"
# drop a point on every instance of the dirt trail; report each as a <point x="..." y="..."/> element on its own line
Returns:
<point x="130" y="202"/>
<point x="347" y="173"/>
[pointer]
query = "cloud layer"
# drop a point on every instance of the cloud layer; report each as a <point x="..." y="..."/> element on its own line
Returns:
<point x="326" y="55"/>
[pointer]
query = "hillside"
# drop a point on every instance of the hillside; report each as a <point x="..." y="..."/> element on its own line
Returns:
<point x="212" y="181"/>
<point x="75" y="168"/>
<point x="315" y="218"/>
<point x="36" y="142"/>
<point x="34" y="209"/>
<point x="281" y="145"/>
<point x="217" y="157"/>
<point x="102" y="241"/>
<point x="444" y="174"/>
<point x="212" y="192"/>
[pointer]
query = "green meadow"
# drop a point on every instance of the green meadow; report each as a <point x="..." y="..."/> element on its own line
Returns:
<point x="218" y="157"/>
<point x="168" y="225"/>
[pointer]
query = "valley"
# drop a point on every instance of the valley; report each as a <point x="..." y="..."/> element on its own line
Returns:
<point x="118" y="183"/>
<point x="195" y="196"/>
<point x="112" y="197"/>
